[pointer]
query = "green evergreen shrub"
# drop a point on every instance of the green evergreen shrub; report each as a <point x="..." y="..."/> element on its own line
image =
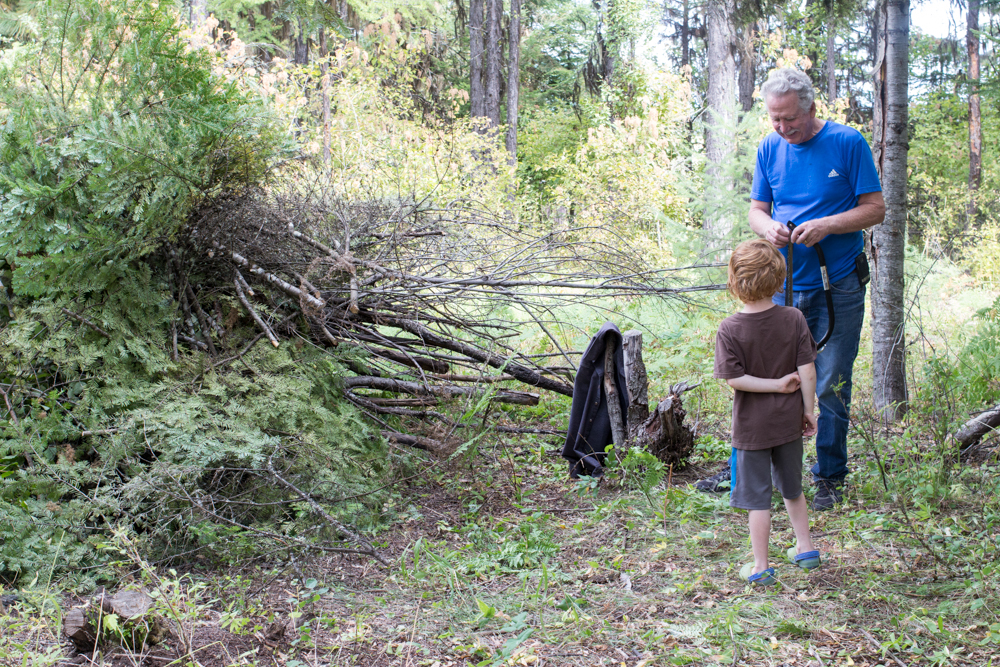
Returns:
<point x="113" y="134"/>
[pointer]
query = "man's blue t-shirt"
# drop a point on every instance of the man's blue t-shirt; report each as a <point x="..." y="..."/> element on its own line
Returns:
<point x="823" y="176"/>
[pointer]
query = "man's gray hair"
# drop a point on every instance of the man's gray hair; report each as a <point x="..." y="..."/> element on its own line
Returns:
<point x="789" y="80"/>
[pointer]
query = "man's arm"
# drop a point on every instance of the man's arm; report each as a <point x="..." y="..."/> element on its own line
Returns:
<point x="869" y="212"/>
<point x="756" y="385"/>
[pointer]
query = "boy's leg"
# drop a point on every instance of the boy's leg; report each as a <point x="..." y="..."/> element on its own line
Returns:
<point x="786" y="469"/>
<point x="798" y="516"/>
<point x="760" y="535"/>
<point x="752" y="491"/>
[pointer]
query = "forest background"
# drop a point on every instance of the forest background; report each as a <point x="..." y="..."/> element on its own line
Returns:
<point x="423" y="208"/>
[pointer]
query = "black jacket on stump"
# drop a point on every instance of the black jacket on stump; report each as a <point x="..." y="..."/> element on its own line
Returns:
<point x="589" y="430"/>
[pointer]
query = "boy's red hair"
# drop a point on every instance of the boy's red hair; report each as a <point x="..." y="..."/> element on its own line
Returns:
<point x="756" y="271"/>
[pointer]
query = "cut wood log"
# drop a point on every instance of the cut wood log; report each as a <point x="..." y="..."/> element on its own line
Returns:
<point x="614" y="401"/>
<point x="636" y="380"/>
<point x="79" y="630"/>
<point x="977" y="427"/>
<point x="444" y="391"/>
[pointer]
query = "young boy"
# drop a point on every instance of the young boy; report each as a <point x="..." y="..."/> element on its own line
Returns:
<point x="765" y="352"/>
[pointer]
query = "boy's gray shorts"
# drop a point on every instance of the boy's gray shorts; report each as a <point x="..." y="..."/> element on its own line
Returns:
<point x="754" y="470"/>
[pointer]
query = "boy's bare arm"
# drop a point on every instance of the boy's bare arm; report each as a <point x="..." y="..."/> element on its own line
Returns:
<point x="784" y="385"/>
<point x="807" y="375"/>
<point x="807" y="378"/>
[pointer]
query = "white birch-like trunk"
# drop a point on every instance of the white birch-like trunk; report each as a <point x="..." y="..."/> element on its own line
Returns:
<point x="888" y="238"/>
<point x="720" y="120"/>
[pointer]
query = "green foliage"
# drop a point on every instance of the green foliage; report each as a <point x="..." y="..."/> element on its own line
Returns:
<point x="164" y="425"/>
<point x="642" y="471"/>
<point x="112" y="130"/>
<point x="972" y="375"/>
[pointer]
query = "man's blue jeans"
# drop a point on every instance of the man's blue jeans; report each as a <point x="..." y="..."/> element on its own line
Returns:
<point x="834" y="367"/>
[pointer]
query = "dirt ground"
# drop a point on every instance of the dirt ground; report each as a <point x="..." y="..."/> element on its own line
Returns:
<point x="523" y="566"/>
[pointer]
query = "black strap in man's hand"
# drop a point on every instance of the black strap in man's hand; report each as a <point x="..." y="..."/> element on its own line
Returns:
<point x="827" y="289"/>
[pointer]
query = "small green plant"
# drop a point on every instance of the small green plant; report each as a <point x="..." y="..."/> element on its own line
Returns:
<point x="642" y="471"/>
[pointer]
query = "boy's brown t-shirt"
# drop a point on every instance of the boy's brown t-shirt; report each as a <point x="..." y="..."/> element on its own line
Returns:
<point x="770" y="344"/>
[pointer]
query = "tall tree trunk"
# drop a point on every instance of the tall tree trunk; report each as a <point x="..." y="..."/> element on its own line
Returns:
<point x="607" y="58"/>
<point x="975" y="118"/>
<point x="494" y="17"/>
<point x="324" y="53"/>
<point x="513" y="78"/>
<point x="748" y="66"/>
<point x="721" y="118"/>
<point x="301" y="55"/>
<point x="831" y="58"/>
<point x="686" y="34"/>
<point x="888" y="238"/>
<point x="477" y="94"/>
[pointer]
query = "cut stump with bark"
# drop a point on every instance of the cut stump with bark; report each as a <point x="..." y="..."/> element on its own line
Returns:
<point x="663" y="432"/>
<point x="136" y="624"/>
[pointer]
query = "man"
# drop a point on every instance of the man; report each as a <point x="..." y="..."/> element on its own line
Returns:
<point x="821" y="176"/>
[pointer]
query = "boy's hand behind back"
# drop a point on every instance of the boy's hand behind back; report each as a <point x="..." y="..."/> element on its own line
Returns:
<point x="809" y="425"/>
<point x="789" y="384"/>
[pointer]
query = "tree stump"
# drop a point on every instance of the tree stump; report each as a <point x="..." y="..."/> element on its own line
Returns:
<point x="614" y="402"/>
<point x="635" y="379"/>
<point x="136" y="625"/>
<point x="662" y="433"/>
<point x="78" y="628"/>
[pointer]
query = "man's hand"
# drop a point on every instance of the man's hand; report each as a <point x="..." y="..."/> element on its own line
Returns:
<point x="809" y="425"/>
<point x="765" y="226"/>
<point x="810" y="233"/>
<point x="789" y="384"/>
<point x="777" y="234"/>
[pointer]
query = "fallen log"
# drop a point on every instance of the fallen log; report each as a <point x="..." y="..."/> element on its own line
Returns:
<point x="977" y="427"/>
<point x="404" y="402"/>
<point x="415" y="441"/>
<point x="428" y="337"/>
<point x="484" y="379"/>
<point x="444" y="391"/>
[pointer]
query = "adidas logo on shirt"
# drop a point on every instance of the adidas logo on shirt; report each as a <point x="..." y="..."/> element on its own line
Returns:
<point x="833" y="173"/>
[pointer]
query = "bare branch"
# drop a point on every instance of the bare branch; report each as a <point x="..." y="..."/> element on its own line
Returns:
<point x="84" y="320"/>
<point x="344" y="531"/>
<point x="253" y="313"/>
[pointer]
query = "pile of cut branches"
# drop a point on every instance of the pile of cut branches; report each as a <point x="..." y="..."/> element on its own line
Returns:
<point x="433" y="296"/>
